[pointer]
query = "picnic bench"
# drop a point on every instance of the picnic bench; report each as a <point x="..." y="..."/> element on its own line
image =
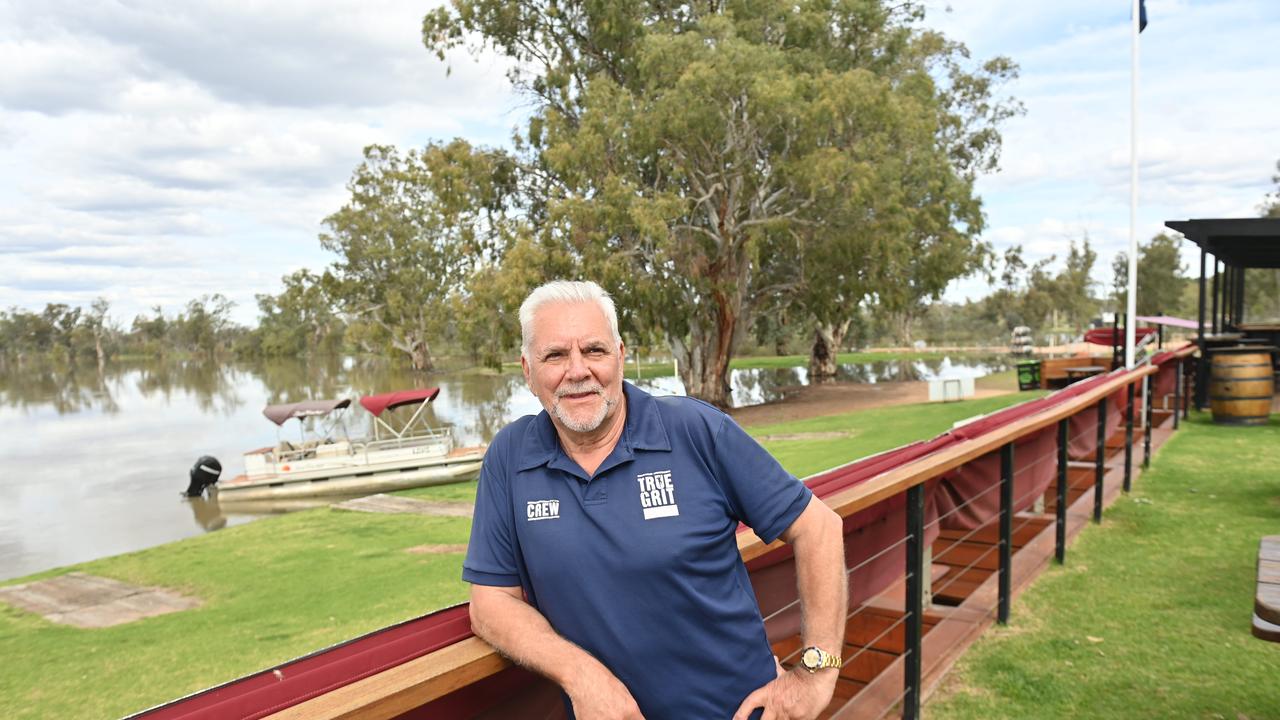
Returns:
<point x="1266" y="604"/>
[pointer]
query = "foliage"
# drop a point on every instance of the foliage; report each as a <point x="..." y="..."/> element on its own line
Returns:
<point x="64" y="333"/>
<point x="416" y="225"/>
<point x="1270" y="207"/>
<point x="299" y="321"/>
<point x="1160" y="277"/>
<point x="1031" y="296"/>
<point x="689" y="155"/>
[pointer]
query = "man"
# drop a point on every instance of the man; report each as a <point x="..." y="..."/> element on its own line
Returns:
<point x="603" y="551"/>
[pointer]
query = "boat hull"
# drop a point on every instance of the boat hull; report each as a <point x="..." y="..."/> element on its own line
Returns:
<point x="363" y="483"/>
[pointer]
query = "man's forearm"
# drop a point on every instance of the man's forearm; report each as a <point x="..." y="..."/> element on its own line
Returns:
<point x="516" y="629"/>
<point x="820" y="576"/>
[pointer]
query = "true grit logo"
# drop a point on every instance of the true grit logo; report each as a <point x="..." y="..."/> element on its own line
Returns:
<point x="657" y="495"/>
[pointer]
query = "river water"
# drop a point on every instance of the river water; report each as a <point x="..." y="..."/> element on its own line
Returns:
<point x="95" y="462"/>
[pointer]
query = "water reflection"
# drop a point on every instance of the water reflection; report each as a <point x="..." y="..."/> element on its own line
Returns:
<point x="96" y="458"/>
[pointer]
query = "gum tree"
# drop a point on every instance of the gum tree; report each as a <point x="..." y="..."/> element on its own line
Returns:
<point x="692" y="153"/>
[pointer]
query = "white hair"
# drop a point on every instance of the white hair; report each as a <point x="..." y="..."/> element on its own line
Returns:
<point x="565" y="291"/>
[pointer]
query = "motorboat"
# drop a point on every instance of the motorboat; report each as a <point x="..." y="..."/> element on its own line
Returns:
<point x="400" y="453"/>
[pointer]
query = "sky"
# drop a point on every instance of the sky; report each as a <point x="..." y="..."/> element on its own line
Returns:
<point x="152" y="152"/>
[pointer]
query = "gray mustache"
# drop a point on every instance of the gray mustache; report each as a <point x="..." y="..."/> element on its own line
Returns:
<point x="579" y="389"/>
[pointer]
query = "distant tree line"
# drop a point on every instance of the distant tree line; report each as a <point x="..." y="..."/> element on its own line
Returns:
<point x="66" y="334"/>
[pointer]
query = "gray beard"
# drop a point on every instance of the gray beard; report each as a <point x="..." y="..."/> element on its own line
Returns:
<point x="590" y="424"/>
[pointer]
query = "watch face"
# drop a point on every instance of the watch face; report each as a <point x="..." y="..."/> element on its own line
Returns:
<point x="811" y="658"/>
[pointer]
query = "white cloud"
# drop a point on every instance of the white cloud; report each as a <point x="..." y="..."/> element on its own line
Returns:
<point x="154" y="151"/>
<point x="1207" y="130"/>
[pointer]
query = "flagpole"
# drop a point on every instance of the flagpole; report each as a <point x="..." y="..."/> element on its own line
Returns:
<point x="1132" y="304"/>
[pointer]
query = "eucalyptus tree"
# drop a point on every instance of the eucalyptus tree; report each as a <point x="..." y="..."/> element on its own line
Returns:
<point x="416" y="225"/>
<point x="1160" y="276"/>
<point x="694" y="151"/>
<point x="300" y="320"/>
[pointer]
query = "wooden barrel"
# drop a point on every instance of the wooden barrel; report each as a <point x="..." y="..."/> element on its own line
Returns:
<point x="1241" y="386"/>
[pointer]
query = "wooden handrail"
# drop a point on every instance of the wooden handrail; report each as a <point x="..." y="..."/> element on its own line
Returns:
<point x="414" y="683"/>
<point x="896" y="480"/>
<point x="404" y="687"/>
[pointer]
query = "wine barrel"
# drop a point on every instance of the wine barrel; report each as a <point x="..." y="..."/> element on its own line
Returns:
<point x="1241" y="385"/>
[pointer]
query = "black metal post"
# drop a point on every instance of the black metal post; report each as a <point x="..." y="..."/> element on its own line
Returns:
<point x="1148" y="404"/>
<point x="1199" y="368"/>
<point x="1128" y="439"/>
<point x="915" y="602"/>
<point x="1006" y="532"/>
<point x="1060" y="519"/>
<point x="1226" y="295"/>
<point x="1214" y="315"/>
<point x="1240" y="278"/>
<point x="1178" y="404"/>
<point x="1099" y="469"/>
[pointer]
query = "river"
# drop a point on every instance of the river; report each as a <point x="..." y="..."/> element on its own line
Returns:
<point x="95" y="462"/>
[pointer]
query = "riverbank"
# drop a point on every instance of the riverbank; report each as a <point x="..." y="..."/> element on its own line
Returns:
<point x="284" y="586"/>
<point x="807" y="401"/>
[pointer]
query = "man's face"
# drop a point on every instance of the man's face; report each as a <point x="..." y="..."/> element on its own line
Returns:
<point x="573" y="365"/>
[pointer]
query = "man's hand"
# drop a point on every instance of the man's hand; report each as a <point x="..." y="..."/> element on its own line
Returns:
<point x="598" y="695"/>
<point x="796" y="695"/>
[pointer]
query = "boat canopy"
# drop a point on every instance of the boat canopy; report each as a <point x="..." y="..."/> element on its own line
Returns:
<point x="378" y="404"/>
<point x="1168" y="320"/>
<point x="278" y="414"/>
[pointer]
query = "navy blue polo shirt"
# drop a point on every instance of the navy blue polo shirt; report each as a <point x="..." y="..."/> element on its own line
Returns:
<point x="639" y="565"/>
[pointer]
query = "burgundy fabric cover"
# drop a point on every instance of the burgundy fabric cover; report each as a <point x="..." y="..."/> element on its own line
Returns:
<point x="968" y="496"/>
<point x="1082" y="428"/>
<point x="279" y="414"/>
<point x="275" y="689"/>
<point x="378" y="404"/>
<point x="1164" y="384"/>
<point x="867" y="533"/>
<point x="1115" y="336"/>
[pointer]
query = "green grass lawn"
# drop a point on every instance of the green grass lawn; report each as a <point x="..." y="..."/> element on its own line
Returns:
<point x="1150" y="616"/>
<point x="284" y="586"/>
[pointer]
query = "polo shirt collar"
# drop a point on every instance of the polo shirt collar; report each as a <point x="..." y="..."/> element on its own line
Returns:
<point x="643" y="430"/>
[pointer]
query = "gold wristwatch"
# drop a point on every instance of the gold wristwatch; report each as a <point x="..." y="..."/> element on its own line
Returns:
<point x="814" y="658"/>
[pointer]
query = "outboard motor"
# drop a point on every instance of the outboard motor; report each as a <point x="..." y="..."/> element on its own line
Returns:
<point x="203" y="474"/>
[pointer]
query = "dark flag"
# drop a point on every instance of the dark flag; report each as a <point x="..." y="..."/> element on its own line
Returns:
<point x="1142" y="15"/>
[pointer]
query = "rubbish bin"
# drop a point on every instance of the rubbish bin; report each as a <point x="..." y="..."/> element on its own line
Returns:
<point x="1029" y="375"/>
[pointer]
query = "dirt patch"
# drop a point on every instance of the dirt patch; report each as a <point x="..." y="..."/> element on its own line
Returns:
<point x="806" y="401"/>
<point x="830" y="435"/>
<point x="89" y="601"/>
<point x="396" y="505"/>
<point x="436" y="549"/>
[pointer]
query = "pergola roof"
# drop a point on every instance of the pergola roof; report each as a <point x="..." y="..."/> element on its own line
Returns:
<point x="1239" y="242"/>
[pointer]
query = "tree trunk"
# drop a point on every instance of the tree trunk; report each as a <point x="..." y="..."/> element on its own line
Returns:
<point x="827" y="339"/>
<point x="704" y="361"/>
<point x="418" y="350"/>
<point x="904" y="328"/>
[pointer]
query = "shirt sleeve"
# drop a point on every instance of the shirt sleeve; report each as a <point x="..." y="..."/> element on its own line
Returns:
<point x="491" y="552"/>
<point x="763" y="495"/>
